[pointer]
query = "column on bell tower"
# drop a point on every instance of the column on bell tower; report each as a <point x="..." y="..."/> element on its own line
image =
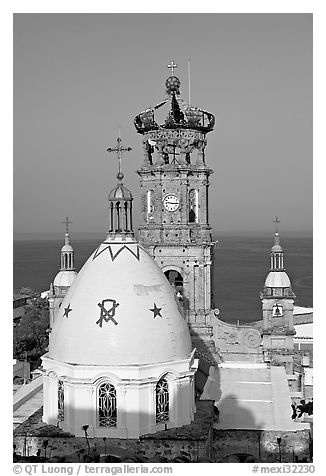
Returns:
<point x="174" y="180"/>
<point x="277" y="299"/>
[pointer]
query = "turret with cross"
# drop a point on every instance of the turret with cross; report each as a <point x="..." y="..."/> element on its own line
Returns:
<point x="120" y="199"/>
<point x="119" y="150"/>
<point x="67" y="252"/>
<point x="277" y="299"/>
<point x="67" y="223"/>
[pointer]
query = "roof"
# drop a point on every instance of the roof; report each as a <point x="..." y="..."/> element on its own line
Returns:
<point x="277" y="248"/>
<point x="67" y="247"/>
<point x="120" y="193"/>
<point x="300" y="310"/>
<point x="27" y="399"/>
<point x="304" y="331"/>
<point x="303" y="318"/>
<point x="17" y="296"/>
<point x="277" y="279"/>
<point x="65" y="278"/>
<point x="120" y="310"/>
<point x="250" y="396"/>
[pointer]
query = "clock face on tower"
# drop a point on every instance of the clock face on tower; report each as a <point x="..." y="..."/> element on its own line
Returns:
<point x="171" y="202"/>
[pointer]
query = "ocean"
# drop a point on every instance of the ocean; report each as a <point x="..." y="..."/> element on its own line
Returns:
<point x="240" y="266"/>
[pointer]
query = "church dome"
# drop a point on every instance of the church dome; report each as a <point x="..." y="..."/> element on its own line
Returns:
<point x="120" y="192"/>
<point x="277" y="249"/>
<point x="277" y="279"/>
<point x="64" y="278"/>
<point x="120" y="310"/>
<point x="67" y="247"/>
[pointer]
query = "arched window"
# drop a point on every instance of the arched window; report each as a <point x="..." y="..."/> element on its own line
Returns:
<point x="150" y="202"/>
<point x="162" y="401"/>
<point x="61" y="400"/>
<point x="176" y="279"/>
<point x="192" y="206"/>
<point x="107" y="405"/>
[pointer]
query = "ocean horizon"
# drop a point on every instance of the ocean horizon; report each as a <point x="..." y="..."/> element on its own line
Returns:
<point x="240" y="267"/>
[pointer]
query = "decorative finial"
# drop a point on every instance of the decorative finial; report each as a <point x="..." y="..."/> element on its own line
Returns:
<point x="171" y="66"/>
<point x="276" y="221"/>
<point x="119" y="150"/>
<point x="67" y="223"/>
<point x="172" y="83"/>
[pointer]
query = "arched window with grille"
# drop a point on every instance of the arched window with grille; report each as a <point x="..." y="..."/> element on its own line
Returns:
<point x="61" y="400"/>
<point x="107" y="405"/>
<point x="162" y="401"/>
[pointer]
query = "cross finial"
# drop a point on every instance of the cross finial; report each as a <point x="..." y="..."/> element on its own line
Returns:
<point x="171" y="66"/>
<point x="67" y="223"/>
<point x="276" y="221"/>
<point x="119" y="150"/>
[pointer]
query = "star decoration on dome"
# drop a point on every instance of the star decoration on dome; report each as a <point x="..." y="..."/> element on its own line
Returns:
<point x="67" y="310"/>
<point x="156" y="311"/>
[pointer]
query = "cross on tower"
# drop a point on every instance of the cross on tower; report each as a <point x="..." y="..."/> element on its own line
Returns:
<point x="119" y="150"/>
<point x="276" y="221"/>
<point x="174" y="160"/>
<point x="67" y="223"/>
<point x="171" y="66"/>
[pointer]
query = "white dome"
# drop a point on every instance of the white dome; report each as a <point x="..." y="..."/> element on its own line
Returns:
<point x="120" y="310"/>
<point x="64" y="278"/>
<point x="277" y="279"/>
<point x="277" y="248"/>
<point x="67" y="248"/>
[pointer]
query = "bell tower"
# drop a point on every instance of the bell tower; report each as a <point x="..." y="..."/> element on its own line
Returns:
<point x="64" y="278"/>
<point x="174" y="180"/>
<point x="277" y="299"/>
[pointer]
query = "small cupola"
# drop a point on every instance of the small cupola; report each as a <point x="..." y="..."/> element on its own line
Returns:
<point x="120" y="201"/>
<point x="277" y="255"/>
<point x="277" y="282"/>
<point x="67" y="251"/>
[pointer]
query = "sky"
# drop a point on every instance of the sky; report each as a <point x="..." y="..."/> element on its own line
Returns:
<point x="79" y="77"/>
